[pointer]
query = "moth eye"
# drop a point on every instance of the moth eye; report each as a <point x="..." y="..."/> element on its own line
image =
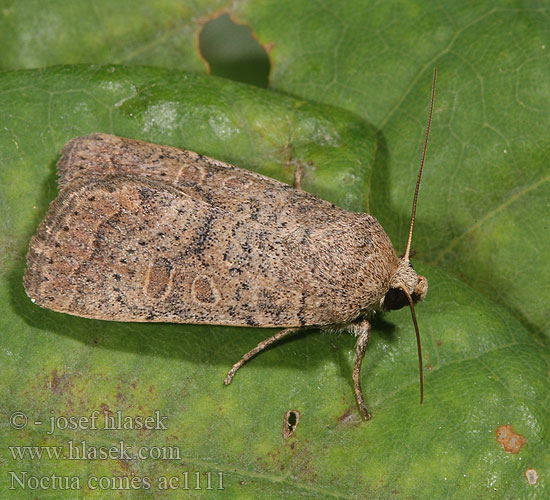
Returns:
<point x="395" y="299"/>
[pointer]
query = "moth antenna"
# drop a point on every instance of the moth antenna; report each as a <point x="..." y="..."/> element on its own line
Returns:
<point x="413" y="214"/>
<point x="419" y="345"/>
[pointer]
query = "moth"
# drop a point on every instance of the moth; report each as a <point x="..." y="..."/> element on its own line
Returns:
<point x="149" y="233"/>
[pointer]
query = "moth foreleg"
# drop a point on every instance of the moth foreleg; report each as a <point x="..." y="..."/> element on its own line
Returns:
<point x="362" y="331"/>
<point x="264" y="344"/>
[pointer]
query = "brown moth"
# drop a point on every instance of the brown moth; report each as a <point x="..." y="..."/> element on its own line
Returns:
<point x="150" y="233"/>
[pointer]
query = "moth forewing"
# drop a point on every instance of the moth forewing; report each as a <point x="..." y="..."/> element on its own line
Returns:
<point x="131" y="248"/>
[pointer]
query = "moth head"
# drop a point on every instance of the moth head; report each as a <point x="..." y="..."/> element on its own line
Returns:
<point x="407" y="288"/>
<point x="404" y="278"/>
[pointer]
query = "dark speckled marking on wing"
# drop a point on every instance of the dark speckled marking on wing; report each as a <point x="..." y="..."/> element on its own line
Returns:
<point x="128" y="248"/>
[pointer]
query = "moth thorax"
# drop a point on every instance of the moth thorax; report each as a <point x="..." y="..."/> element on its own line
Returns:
<point x="404" y="277"/>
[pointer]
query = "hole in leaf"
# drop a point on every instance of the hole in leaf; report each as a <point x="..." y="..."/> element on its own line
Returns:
<point x="230" y="50"/>
<point x="291" y="419"/>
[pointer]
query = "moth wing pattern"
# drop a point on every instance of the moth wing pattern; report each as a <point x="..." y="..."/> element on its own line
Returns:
<point x="180" y="245"/>
<point x="218" y="183"/>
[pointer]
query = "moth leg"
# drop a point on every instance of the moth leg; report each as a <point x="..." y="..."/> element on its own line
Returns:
<point x="264" y="344"/>
<point x="362" y="331"/>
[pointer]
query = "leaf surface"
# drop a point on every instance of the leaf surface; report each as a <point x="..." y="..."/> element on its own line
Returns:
<point x="481" y="238"/>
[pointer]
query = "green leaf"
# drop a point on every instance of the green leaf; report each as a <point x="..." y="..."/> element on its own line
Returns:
<point x="481" y="218"/>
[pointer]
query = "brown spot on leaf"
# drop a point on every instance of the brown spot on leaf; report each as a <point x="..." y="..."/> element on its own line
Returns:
<point x="58" y="383"/>
<point x="105" y="409"/>
<point x="349" y="417"/>
<point x="532" y="476"/>
<point x="510" y="441"/>
<point x="290" y="422"/>
<point x="126" y="467"/>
